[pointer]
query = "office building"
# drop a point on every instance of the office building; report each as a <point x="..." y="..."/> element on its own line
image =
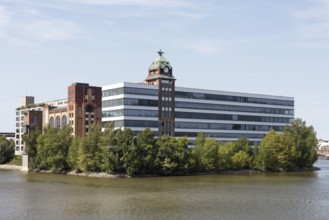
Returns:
<point x="165" y="109"/>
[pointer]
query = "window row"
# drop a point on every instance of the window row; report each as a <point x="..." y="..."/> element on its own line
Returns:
<point x="58" y="122"/>
<point x="194" y="95"/>
<point x="129" y="90"/>
<point x="220" y="135"/>
<point x="129" y="112"/>
<point x="228" y="117"/>
<point x="197" y="125"/>
<point x="201" y="106"/>
<point x="193" y="115"/>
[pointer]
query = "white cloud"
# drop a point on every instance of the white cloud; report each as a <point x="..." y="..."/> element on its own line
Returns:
<point x="29" y="25"/>
<point x="50" y="30"/>
<point x="314" y="20"/>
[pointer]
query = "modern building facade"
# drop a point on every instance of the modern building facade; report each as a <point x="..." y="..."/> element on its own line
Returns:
<point x="80" y="110"/>
<point x="225" y="116"/>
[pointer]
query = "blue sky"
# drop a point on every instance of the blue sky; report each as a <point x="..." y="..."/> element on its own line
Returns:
<point x="256" y="46"/>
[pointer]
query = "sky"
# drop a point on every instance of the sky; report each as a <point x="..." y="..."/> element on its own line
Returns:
<point x="256" y="46"/>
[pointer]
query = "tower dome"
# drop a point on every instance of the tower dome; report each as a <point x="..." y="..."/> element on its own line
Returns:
<point x="160" y="68"/>
<point x="160" y="62"/>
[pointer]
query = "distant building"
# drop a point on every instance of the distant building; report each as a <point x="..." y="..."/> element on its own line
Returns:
<point x="80" y="110"/>
<point x="8" y="135"/>
<point x="165" y="109"/>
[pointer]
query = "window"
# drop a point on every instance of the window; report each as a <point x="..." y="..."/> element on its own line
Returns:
<point x="51" y="122"/>
<point x="58" y="122"/>
<point x="89" y="108"/>
<point x="64" y="121"/>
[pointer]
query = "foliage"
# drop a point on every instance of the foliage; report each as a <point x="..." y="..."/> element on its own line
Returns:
<point x="209" y="155"/>
<point x="17" y="160"/>
<point x="31" y="145"/>
<point x="147" y="151"/>
<point x="303" y="142"/>
<point x="52" y="148"/>
<point x="119" y="151"/>
<point x="73" y="154"/>
<point x="240" y="160"/>
<point x="90" y="151"/>
<point x="273" y="153"/>
<point x="294" y="149"/>
<point x="7" y="150"/>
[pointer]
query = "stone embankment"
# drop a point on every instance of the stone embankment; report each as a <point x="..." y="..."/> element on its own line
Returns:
<point x="10" y="167"/>
<point x="100" y="174"/>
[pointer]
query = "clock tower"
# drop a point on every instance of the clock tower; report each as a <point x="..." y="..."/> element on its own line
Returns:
<point x="160" y="74"/>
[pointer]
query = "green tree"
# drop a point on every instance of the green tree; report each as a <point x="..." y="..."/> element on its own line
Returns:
<point x="31" y="145"/>
<point x="182" y="155"/>
<point x="274" y="154"/>
<point x="302" y="141"/>
<point x="73" y="154"/>
<point x="52" y="148"/>
<point x="117" y="156"/>
<point x="242" y="144"/>
<point x="7" y="150"/>
<point x="225" y="154"/>
<point x="108" y="143"/>
<point x="240" y="160"/>
<point x="194" y="163"/>
<point x="166" y="159"/>
<point x="209" y="155"/>
<point x="91" y="153"/>
<point x="147" y="151"/>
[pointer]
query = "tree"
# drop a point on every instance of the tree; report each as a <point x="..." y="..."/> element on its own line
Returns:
<point x="182" y="154"/>
<point x="7" y="150"/>
<point x="91" y="153"/>
<point x="209" y="155"/>
<point x="225" y="153"/>
<point x="145" y="143"/>
<point x="31" y="145"/>
<point x="240" y="160"/>
<point x="52" y="148"/>
<point x="73" y="154"/>
<point x="108" y="143"/>
<point x="302" y="141"/>
<point x="274" y="154"/>
<point x="242" y="144"/>
<point x="194" y="163"/>
<point x="167" y="158"/>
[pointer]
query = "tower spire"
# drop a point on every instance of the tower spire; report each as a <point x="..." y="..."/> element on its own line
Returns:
<point x="160" y="52"/>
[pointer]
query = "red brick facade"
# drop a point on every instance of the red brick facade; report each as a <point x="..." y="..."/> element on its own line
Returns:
<point x="84" y="107"/>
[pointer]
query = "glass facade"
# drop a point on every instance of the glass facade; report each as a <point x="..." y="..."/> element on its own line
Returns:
<point x="220" y="119"/>
<point x="201" y="106"/>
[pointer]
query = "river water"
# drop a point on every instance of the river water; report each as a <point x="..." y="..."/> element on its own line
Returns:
<point x="296" y="195"/>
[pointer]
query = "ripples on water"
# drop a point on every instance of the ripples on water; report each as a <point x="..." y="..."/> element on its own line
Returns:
<point x="302" y="195"/>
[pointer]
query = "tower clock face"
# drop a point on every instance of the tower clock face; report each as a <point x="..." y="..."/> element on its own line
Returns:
<point x="166" y="69"/>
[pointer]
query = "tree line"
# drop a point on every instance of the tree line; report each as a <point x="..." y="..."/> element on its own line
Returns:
<point x="118" y="151"/>
<point x="7" y="150"/>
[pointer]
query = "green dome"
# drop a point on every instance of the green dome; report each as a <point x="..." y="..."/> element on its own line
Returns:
<point x="159" y="62"/>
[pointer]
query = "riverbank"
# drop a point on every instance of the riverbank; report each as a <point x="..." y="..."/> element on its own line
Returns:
<point x="113" y="176"/>
<point x="10" y="167"/>
<point x="108" y="175"/>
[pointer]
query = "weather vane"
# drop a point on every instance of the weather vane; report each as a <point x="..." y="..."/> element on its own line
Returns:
<point x="160" y="52"/>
